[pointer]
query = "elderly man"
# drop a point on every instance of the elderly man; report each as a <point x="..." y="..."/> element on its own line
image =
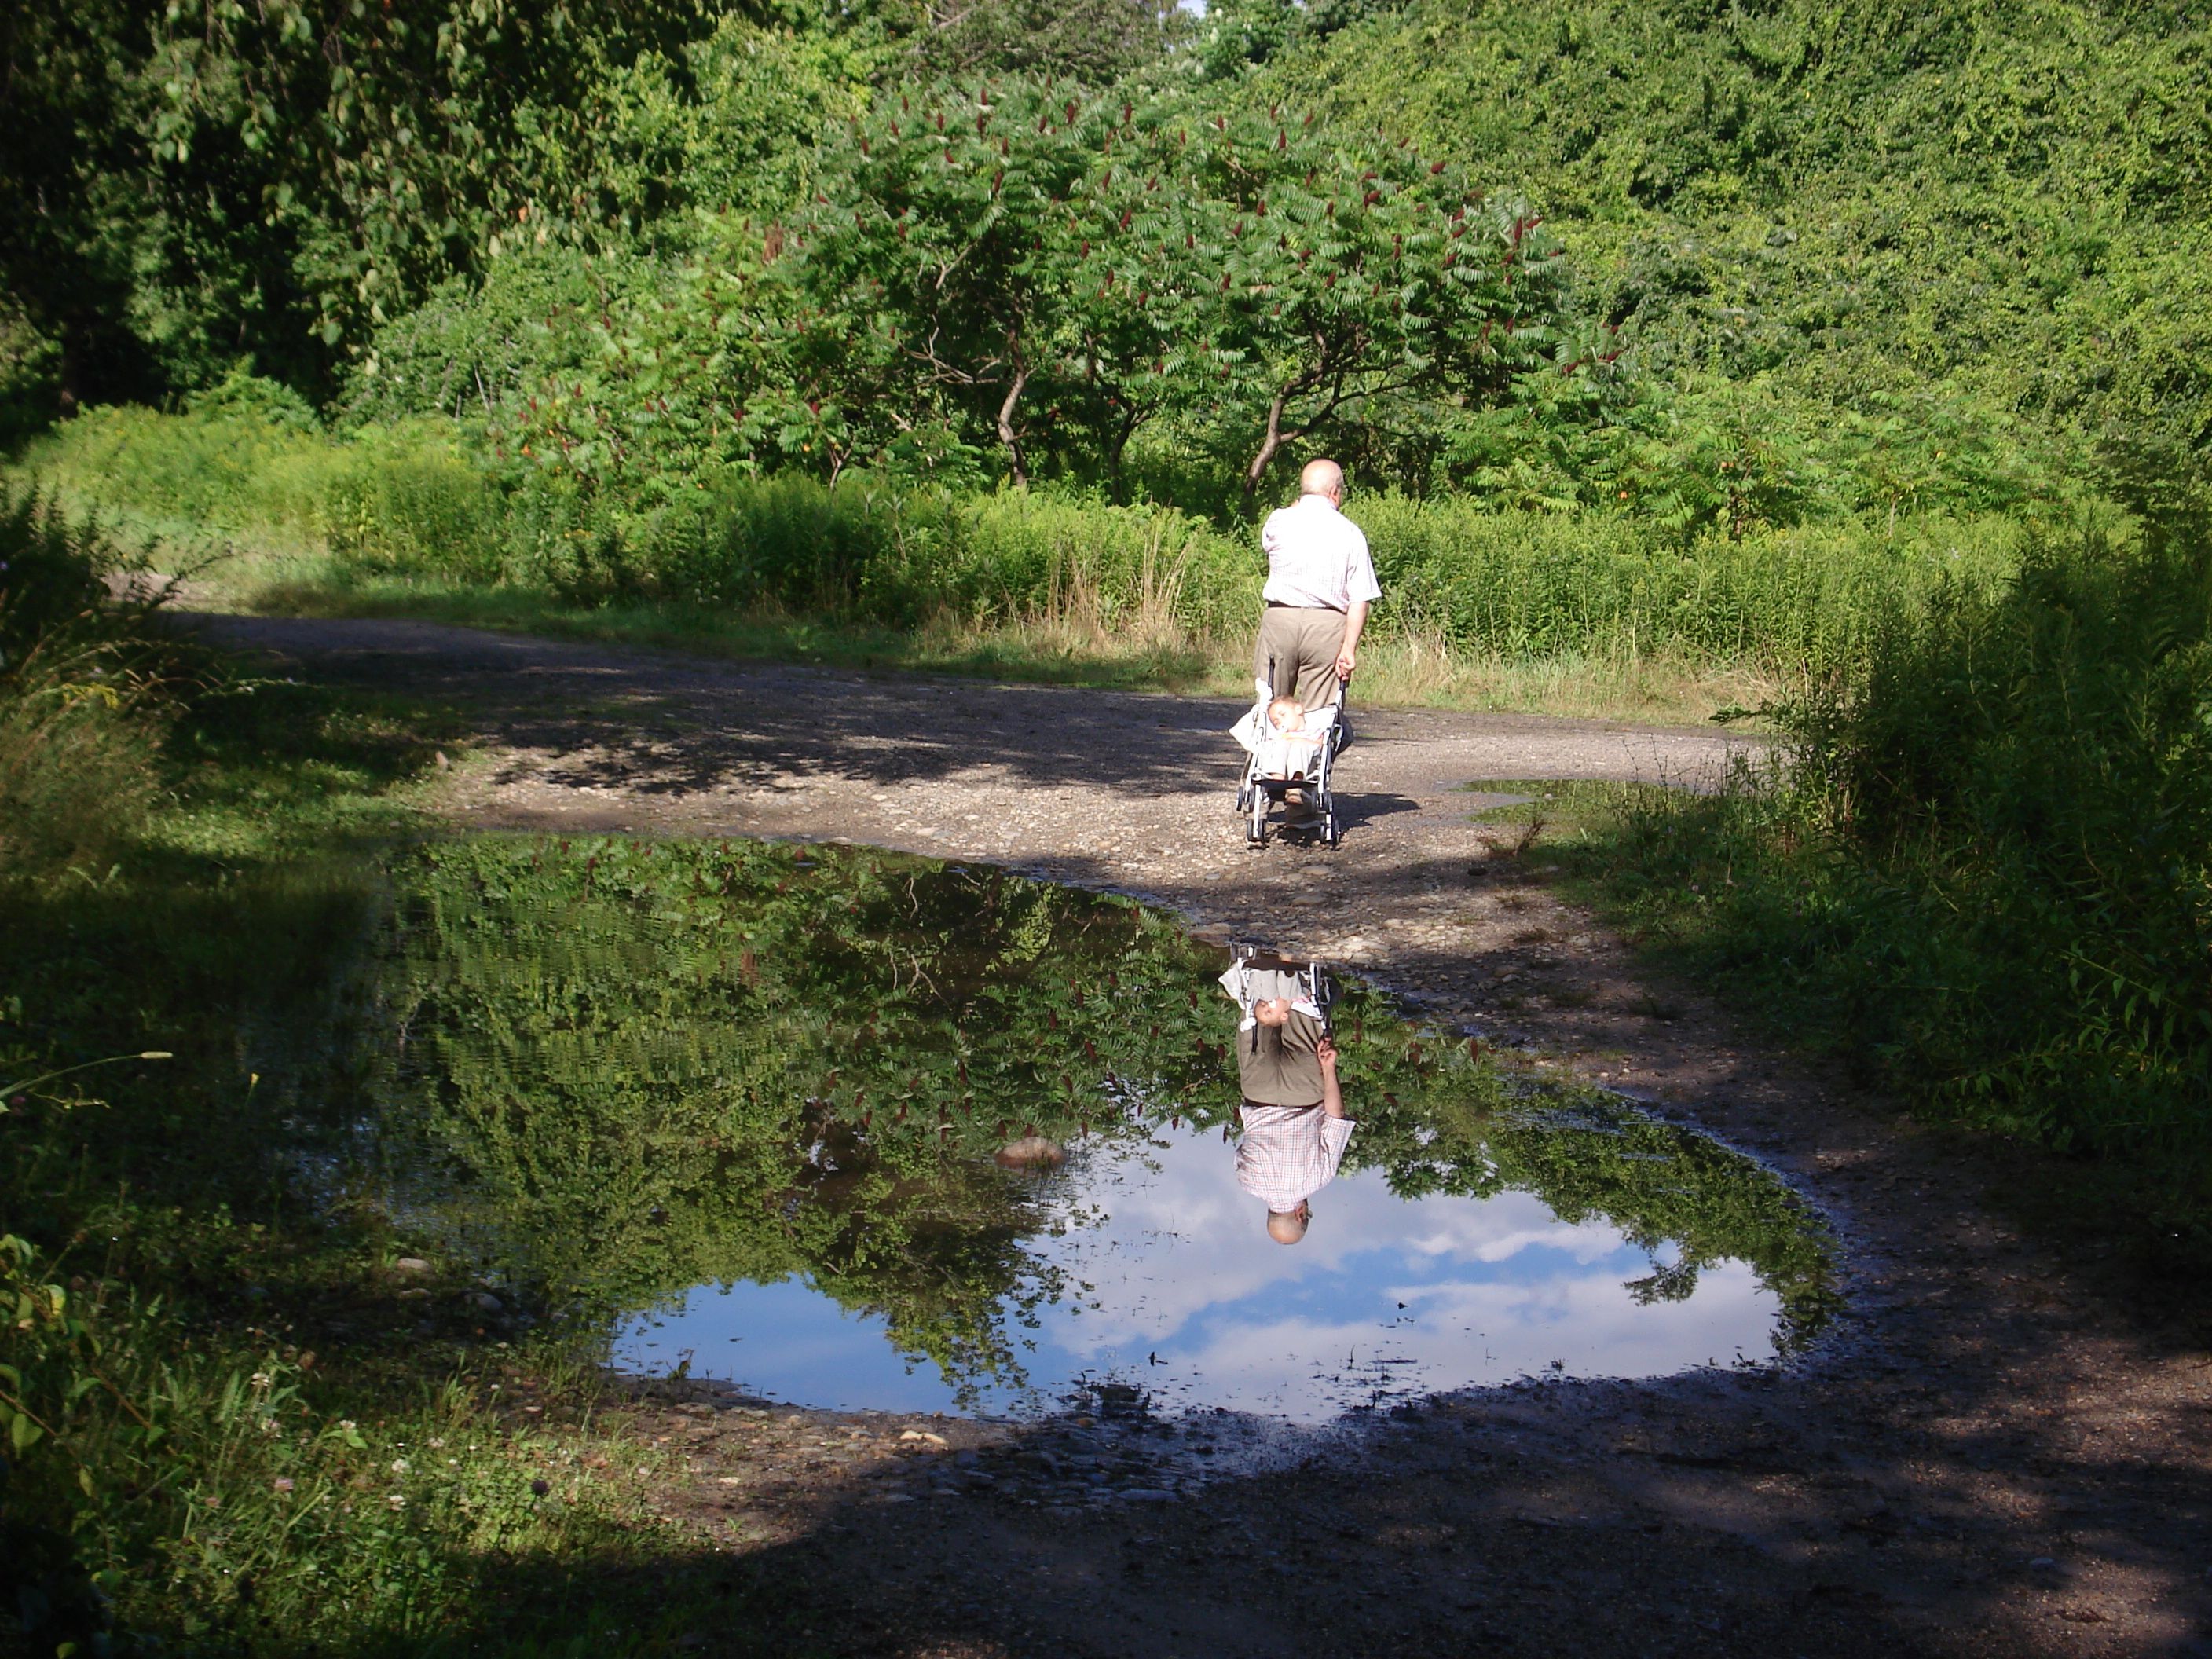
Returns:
<point x="1319" y="584"/>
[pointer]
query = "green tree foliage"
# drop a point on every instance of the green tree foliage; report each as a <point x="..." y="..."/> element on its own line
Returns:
<point x="1865" y="261"/>
<point x="933" y="252"/>
<point x="1053" y="270"/>
<point x="1997" y="209"/>
<point x="1092" y="41"/>
<point x="1236" y="35"/>
<point x="1022" y="269"/>
<point x="193" y="185"/>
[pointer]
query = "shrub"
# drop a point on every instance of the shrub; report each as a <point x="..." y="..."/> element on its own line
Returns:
<point x="1984" y="868"/>
<point x="2031" y="776"/>
<point x="407" y="500"/>
<point x="472" y="346"/>
<point x="80" y="676"/>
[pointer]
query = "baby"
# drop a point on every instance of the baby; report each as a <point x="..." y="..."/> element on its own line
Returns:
<point x="1288" y="749"/>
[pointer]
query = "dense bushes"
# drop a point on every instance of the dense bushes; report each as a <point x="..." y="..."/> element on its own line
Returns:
<point x="2032" y="774"/>
<point x="1984" y="871"/>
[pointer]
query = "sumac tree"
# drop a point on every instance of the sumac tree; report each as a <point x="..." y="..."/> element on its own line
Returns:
<point x="1056" y="268"/>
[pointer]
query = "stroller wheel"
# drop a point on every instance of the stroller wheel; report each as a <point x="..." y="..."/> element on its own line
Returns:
<point x="1255" y="829"/>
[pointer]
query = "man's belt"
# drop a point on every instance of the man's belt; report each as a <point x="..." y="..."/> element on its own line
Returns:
<point x="1278" y="604"/>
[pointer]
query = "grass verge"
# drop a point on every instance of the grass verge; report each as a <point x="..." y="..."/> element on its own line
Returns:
<point x="1068" y="649"/>
<point x="1737" y="893"/>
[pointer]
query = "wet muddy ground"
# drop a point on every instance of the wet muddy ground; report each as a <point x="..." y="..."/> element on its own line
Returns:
<point x="1992" y="1452"/>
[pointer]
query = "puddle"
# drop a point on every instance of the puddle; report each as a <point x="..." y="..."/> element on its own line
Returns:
<point x="740" y="1111"/>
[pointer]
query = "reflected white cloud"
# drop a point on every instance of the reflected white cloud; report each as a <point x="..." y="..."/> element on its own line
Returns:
<point x="1190" y="1298"/>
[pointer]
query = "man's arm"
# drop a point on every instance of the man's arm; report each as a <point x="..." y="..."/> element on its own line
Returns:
<point x="1347" y="654"/>
<point x="1332" y="1097"/>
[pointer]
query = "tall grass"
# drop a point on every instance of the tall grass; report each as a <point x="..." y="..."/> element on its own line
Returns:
<point x="83" y="674"/>
<point x="1986" y="868"/>
<point x="1805" y="600"/>
<point x="398" y="497"/>
<point x="1497" y="592"/>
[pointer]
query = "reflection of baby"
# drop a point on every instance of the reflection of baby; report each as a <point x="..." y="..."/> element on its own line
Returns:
<point x="1287" y="749"/>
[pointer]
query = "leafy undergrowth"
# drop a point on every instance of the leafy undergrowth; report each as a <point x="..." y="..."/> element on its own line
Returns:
<point x="1980" y="875"/>
<point x="233" y="1423"/>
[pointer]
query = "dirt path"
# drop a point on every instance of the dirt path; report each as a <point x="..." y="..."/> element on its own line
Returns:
<point x="1992" y="1456"/>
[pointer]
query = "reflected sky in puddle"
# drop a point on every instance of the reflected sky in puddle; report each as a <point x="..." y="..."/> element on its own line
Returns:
<point x="733" y="1108"/>
<point x="1191" y="1303"/>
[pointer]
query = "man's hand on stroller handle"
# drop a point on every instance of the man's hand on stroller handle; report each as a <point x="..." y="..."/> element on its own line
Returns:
<point x="1347" y="654"/>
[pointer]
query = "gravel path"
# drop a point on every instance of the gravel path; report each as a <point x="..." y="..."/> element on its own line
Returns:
<point x="1995" y="1454"/>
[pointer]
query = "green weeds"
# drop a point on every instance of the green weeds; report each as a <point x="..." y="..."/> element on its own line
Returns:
<point x="1489" y="607"/>
<point x="1980" y="871"/>
<point x="227" y="1426"/>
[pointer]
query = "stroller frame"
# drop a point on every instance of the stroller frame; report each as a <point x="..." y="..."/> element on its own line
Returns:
<point x="1257" y="794"/>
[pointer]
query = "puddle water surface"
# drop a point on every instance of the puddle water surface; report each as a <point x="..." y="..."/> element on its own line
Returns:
<point x="744" y="1111"/>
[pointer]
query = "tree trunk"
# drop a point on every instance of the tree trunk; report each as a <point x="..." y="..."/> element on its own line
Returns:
<point x="1271" y="442"/>
<point x="1304" y="381"/>
<point x="1117" y="444"/>
<point x="1007" y="436"/>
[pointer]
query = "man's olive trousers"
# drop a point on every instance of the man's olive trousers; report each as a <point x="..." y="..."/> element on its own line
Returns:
<point x="1302" y="646"/>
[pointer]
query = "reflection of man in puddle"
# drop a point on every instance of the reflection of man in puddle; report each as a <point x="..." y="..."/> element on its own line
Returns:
<point x="1295" y="1129"/>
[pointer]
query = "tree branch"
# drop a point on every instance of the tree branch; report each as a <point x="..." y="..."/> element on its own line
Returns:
<point x="1304" y="381"/>
<point x="1007" y="436"/>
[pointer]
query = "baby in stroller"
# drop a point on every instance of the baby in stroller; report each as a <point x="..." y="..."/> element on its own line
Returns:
<point x="1288" y="748"/>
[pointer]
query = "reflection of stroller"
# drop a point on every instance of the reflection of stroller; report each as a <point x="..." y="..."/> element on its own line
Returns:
<point x="1255" y="973"/>
<point x="1274" y="768"/>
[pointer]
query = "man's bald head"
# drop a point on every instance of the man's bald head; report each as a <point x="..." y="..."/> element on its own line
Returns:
<point x="1320" y="477"/>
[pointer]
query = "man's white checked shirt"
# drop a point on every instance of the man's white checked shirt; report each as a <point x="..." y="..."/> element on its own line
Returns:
<point x="1316" y="557"/>
<point x="1289" y="1152"/>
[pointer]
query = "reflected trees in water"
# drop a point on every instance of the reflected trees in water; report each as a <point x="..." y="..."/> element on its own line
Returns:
<point x="616" y="1069"/>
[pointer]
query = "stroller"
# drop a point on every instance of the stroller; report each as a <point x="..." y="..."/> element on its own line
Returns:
<point x="1274" y="766"/>
<point x="1255" y="972"/>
